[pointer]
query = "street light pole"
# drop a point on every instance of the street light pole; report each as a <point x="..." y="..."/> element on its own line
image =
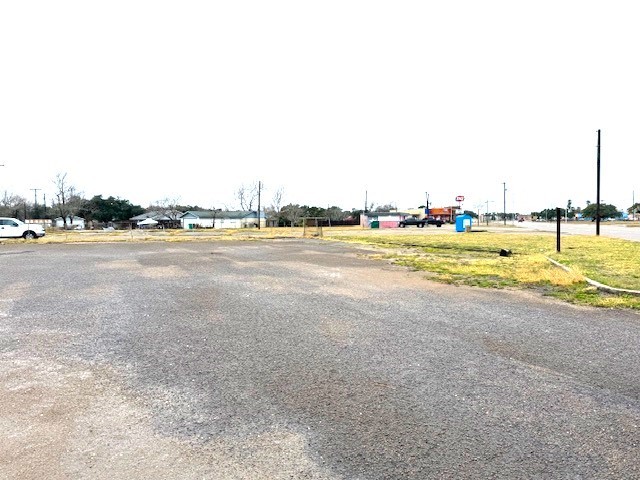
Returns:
<point x="504" y="202"/>
<point x="259" y="188"/>
<point x="598" y="189"/>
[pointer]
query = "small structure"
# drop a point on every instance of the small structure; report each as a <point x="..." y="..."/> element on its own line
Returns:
<point x="45" y="222"/>
<point x="463" y="223"/>
<point x="240" y="219"/>
<point x="222" y="219"/>
<point x="383" y="219"/>
<point x="73" y="223"/>
<point x="147" y="223"/>
<point x="446" y="214"/>
<point x="199" y="219"/>
<point x="164" y="220"/>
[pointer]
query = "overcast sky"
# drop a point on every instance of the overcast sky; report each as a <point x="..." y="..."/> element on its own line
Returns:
<point x="188" y="100"/>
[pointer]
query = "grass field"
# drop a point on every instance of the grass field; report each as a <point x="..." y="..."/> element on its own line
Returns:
<point x="473" y="259"/>
<point x="455" y="258"/>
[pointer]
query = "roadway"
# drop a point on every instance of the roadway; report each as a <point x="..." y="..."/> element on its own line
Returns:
<point x="625" y="231"/>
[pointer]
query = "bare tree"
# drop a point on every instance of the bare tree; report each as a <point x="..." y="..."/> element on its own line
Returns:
<point x="11" y="205"/>
<point x="273" y="211"/>
<point x="169" y="207"/>
<point x="247" y="195"/>
<point x="68" y="201"/>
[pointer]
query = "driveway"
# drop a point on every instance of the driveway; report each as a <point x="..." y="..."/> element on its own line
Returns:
<point x="300" y="359"/>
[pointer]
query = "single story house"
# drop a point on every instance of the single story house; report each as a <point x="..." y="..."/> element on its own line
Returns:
<point x="222" y="219"/>
<point x="164" y="220"/>
<point x="73" y="223"/>
<point x="198" y="219"/>
<point x="383" y="219"/>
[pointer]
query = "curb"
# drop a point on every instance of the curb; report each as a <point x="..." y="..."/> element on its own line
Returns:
<point x="598" y="285"/>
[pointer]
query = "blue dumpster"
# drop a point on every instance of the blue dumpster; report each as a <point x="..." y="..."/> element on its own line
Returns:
<point x="463" y="223"/>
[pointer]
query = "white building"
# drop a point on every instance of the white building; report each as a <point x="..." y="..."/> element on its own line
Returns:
<point x="221" y="219"/>
<point x="73" y="223"/>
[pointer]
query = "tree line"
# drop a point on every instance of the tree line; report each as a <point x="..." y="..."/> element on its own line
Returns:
<point x="590" y="211"/>
<point x="68" y="202"/>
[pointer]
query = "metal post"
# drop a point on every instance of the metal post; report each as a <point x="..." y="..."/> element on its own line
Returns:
<point x="558" y="223"/>
<point x="504" y="202"/>
<point x="598" y="189"/>
<point x="487" y="214"/>
<point x="259" y="188"/>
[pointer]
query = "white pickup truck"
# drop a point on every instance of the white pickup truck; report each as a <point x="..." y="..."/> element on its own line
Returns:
<point x="14" y="228"/>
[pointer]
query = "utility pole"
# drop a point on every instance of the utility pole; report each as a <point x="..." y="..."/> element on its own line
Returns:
<point x="598" y="189"/>
<point x="427" y="195"/>
<point x="35" y="197"/>
<point x="259" y="188"/>
<point x="504" y="202"/>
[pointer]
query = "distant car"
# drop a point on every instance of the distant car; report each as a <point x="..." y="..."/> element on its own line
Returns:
<point x="419" y="222"/>
<point x="14" y="228"/>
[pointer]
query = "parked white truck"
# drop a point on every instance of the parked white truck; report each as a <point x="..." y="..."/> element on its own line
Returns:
<point x="14" y="228"/>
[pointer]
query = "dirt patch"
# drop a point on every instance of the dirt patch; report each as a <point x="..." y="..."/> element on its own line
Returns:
<point x="70" y="420"/>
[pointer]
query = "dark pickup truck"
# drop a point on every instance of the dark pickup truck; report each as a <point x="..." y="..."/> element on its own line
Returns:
<point x="420" y="223"/>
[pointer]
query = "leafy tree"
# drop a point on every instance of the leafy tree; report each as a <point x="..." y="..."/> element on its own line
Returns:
<point x="635" y="208"/>
<point x="109" y="209"/>
<point x="313" y="211"/>
<point x="606" y="211"/>
<point x="335" y="213"/>
<point x="548" y="213"/>
<point x="571" y="213"/>
<point x="384" y="208"/>
<point x="471" y="214"/>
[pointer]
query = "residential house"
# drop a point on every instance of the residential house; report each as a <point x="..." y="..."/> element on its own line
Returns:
<point x="199" y="219"/>
<point x="73" y="223"/>
<point x="222" y="219"/>
<point x="164" y="220"/>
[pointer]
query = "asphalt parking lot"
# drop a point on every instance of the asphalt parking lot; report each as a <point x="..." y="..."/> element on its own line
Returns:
<point x="300" y="359"/>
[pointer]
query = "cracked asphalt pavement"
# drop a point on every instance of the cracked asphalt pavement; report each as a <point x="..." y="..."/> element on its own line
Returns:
<point x="300" y="359"/>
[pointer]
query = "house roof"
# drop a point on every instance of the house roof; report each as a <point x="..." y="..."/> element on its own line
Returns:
<point x="200" y="214"/>
<point x="159" y="216"/>
<point x="387" y="214"/>
<point x="237" y="214"/>
<point x="228" y="214"/>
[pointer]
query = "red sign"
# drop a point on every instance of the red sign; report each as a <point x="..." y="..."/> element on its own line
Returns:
<point x="460" y="198"/>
